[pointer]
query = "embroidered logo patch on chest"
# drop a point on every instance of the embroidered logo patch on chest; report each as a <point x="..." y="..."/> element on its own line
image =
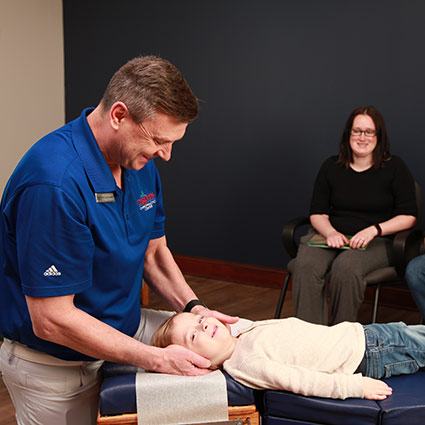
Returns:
<point x="146" y="201"/>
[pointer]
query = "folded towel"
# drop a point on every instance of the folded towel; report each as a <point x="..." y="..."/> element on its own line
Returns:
<point x="164" y="399"/>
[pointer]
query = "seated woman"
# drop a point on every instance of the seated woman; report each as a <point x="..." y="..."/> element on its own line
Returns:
<point x="365" y="193"/>
<point x="341" y="361"/>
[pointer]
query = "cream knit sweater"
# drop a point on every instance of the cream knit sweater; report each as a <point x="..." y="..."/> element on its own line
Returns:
<point x="290" y="354"/>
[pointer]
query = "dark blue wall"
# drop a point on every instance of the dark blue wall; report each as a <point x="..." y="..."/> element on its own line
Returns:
<point x="277" y="80"/>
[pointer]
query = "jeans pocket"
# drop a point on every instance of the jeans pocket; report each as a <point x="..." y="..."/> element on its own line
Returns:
<point x="401" y="368"/>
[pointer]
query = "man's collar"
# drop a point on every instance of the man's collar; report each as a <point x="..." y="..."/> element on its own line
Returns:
<point x="94" y="162"/>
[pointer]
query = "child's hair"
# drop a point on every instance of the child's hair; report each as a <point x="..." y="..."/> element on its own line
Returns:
<point x="162" y="336"/>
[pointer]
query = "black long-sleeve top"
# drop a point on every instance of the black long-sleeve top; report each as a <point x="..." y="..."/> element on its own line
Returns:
<point x="355" y="200"/>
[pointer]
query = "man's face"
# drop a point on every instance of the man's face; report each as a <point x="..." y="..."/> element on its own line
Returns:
<point x="154" y="137"/>
<point x="204" y="335"/>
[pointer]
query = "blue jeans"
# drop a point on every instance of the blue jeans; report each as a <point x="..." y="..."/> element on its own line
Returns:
<point x="415" y="278"/>
<point x="394" y="349"/>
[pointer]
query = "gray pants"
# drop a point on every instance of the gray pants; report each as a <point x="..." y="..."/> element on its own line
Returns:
<point x="313" y="268"/>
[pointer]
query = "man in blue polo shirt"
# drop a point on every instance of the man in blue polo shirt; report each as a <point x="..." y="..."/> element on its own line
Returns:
<point x="82" y="222"/>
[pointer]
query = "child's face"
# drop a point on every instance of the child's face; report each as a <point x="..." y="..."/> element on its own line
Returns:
<point x="205" y="336"/>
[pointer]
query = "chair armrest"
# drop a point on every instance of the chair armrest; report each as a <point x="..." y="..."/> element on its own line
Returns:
<point x="406" y="245"/>
<point x="288" y="234"/>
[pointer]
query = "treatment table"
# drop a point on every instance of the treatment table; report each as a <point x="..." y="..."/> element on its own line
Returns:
<point x="405" y="407"/>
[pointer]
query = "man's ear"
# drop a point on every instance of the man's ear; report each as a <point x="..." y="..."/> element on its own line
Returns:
<point x="117" y="114"/>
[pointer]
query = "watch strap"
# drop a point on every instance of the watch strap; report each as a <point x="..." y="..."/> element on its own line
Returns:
<point x="192" y="304"/>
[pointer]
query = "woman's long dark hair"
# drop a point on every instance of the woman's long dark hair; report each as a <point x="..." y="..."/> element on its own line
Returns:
<point x="382" y="150"/>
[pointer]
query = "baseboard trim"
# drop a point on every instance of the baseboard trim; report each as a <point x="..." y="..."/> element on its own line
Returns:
<point x="268" y="277"/>
<point x="232" y="272"/>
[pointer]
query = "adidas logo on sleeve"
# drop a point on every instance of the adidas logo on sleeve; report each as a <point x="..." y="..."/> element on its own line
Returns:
<point x="52" y="271"/>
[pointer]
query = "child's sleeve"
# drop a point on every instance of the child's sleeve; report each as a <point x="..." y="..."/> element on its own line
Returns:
<point x="262" y="373"/>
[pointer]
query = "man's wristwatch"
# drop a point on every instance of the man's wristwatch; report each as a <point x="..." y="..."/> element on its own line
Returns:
<point x="192" y="304"/>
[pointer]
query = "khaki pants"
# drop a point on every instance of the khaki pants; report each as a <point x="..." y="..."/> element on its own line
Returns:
<point x="56" y="395"/>
<point x="60" y="393"/>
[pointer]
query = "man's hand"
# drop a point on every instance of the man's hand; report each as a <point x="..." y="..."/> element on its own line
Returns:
<point x="374" y="389"/>
<point x="178" y="360"/>
<point x="224" y="318"/>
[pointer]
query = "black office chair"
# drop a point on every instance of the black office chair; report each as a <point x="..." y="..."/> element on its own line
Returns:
<point x="407" y="244"/>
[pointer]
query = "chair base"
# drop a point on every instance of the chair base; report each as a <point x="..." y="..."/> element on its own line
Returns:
<point x="248" y="414"/>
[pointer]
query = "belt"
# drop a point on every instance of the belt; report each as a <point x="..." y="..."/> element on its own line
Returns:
<point x="25" y="353"/>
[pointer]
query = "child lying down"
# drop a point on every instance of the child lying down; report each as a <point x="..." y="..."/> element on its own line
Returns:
<point x="341" y="361"/>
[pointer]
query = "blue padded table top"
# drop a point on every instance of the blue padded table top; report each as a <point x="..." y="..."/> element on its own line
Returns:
<point x="118" y="390"/>
<point x="406" y="406"/>
<point x="318" y="410"/>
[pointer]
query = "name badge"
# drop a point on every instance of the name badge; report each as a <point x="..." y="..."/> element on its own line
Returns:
<point x="105" y="197"/>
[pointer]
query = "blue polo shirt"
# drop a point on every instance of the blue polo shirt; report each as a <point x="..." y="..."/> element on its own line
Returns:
<point x="67" y="228"/>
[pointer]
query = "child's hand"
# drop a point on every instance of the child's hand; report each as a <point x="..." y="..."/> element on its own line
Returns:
<point x="374" y="389"/>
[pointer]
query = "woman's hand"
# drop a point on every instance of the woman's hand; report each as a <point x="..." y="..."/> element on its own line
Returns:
<point x="362" y="238"/>
<point x="374" y="389"/>
<point x="322" y="225"/>
<point x="336" y="239"/>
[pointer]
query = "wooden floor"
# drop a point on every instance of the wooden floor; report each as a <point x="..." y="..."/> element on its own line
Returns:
<point x="250" y="302"/>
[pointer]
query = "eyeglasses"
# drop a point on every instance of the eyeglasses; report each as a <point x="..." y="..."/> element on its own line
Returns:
<point x="367" y="133"/>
